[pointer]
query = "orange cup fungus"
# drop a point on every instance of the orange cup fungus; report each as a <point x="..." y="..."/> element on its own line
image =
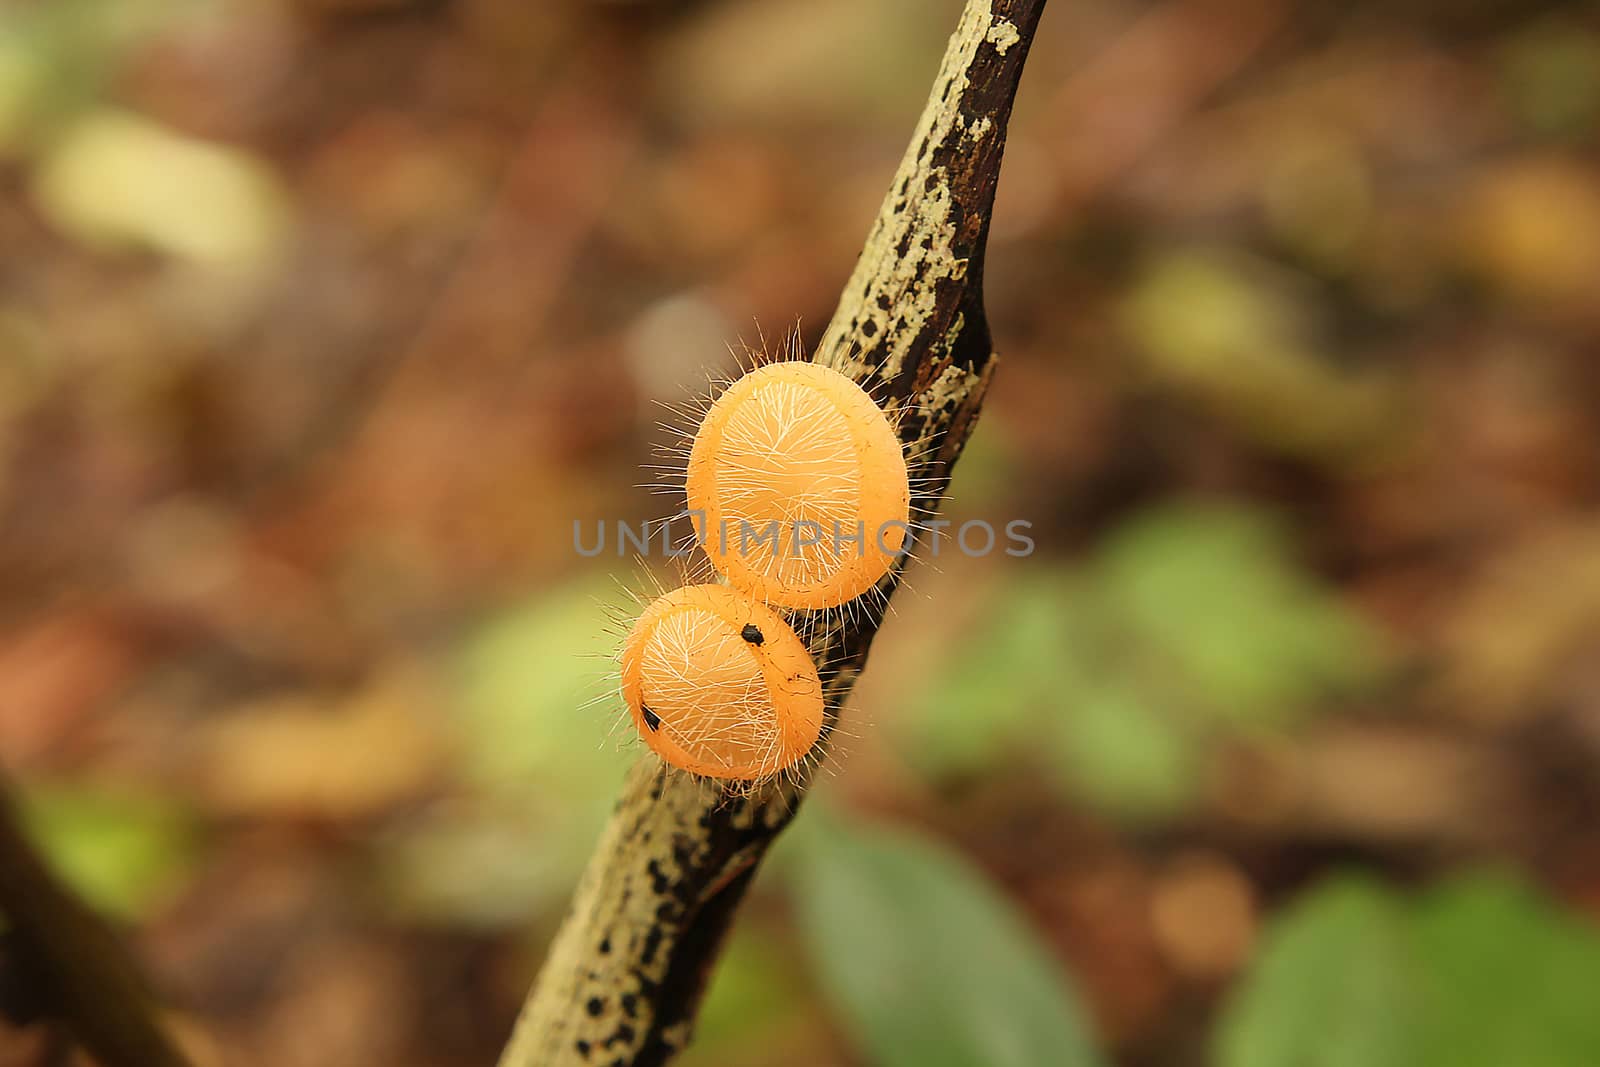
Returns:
<point x="798" y="487"/>
<point x="719" y="685"/>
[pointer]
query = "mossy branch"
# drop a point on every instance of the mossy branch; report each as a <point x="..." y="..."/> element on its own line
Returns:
<point x="625" y="974"/>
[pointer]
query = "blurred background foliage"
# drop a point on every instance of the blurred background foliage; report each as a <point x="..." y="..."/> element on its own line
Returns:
<point x="322" y="322"/>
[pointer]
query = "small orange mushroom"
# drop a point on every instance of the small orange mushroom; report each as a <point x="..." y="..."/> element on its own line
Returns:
<point x="719" y="685"/>
<point x="798" y="487"/>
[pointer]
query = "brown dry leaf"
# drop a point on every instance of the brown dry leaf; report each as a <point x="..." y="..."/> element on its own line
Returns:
<point x="56" y="672"/>
<point x="299" y="756"/>
<point x="759" y="63"/>
<point x="1102" y="916"/>
<point x="1532" y="229"/>
<point x="1394" y="783"/>
<point x="1243" y="337"/>
<point x="1512" y="630"/>
<point x="1203" y="914"/>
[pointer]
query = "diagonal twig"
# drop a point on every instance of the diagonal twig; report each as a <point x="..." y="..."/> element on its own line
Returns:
<point x="625" y="974"/>
<point x="74" y="969"/>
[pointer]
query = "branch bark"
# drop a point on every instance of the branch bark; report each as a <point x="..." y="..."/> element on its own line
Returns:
<point x="69" y="964"/>
<point x="625" y="974"/>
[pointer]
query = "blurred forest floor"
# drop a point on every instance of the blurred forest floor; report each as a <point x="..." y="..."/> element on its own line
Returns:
<point x="322" y="321"/>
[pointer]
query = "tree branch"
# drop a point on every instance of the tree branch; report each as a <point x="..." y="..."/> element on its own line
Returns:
<point x="69" y="966"/>
<point x="625" y="974"/>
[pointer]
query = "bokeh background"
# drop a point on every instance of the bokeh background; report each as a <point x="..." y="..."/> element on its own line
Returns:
<point x="322" y="321"/>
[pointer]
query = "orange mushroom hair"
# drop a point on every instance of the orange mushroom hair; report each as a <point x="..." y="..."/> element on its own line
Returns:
<point x="719" y="685"/>
<point x="798" y="486"/>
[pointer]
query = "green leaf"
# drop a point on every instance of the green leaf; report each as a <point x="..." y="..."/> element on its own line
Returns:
<point x="1126" y="754"/>
<point x="1551" y="75"/>
<point x="986" y="695"/>
<point x="1243" y="337"/>
<point x="492" y="862"/>
<point x="925" y="962"/>
<point x="1513" y="980"/>
<point x="751" y="992"/>
<point x="1192" y="623"/>
<point x="536" y="691"/>
<point x="56" y="59"/>
<point x="544" y="747"/>
<point x="1481" y="972"/>
<point x="1212" y="595"/>
<point x="122" y="853"/>
<point x="1336" y="986"/>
